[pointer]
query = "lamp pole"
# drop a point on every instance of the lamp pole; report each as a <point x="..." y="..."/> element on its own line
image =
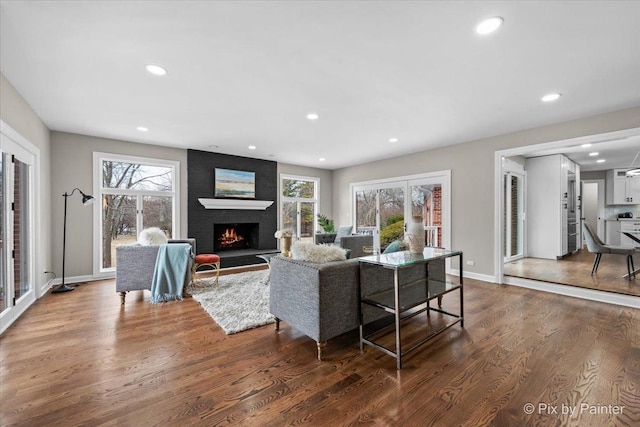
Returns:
<point x="86" y="200"/>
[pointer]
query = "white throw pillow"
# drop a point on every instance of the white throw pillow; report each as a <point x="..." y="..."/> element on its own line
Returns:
<point x="317" y="253"/>
<point x="152" y="237"/>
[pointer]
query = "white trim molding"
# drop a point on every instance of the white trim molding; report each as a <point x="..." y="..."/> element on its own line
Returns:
<point x="574" y="291"/>
<point x="255" y="205"/>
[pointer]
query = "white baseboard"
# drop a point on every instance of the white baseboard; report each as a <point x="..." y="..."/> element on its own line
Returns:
<point x="570" y="291"/>
<point x="472" y="275"/>
<point x="80" y="279"/>
<point x="573" y="291"/>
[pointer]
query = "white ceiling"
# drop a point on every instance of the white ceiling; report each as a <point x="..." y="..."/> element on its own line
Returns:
<point x="247" y="73"/>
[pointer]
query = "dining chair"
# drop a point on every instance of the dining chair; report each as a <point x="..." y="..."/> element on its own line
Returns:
<point x="598" y="247"/>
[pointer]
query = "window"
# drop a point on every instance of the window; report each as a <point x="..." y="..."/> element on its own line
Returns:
<point x="299" y="205"/>
<point x="135" y="193"/>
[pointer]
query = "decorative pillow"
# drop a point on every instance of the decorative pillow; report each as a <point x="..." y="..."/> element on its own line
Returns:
<point x="395" y="246"/>
<point x="318" y="254"/>
<point x="152" y="237"/>
<point x="342" y="232"/>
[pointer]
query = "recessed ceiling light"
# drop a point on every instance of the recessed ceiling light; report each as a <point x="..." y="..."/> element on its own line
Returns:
<point x="322" y="159"/>
<point x="595" y="153"/>
<point x="585" y="145"/>
<point x="252" y="147"/>
<point x="600" y="161"/>
<point x="142" y="129"/>
<point x="392" y="140"/>
<point x="156" y="69"/>
<point x="551" y="97"/>
<point x="312" y="116"/>
<point x="489" y="25"/>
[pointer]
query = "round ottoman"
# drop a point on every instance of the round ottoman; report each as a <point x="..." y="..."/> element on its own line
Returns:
<point x="206" y="260"/>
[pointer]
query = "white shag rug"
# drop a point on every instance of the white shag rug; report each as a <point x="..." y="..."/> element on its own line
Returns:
<point x="239" y="301"/>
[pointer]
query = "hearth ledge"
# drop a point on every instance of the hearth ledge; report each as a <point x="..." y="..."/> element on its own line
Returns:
<point x="255" y="205"/>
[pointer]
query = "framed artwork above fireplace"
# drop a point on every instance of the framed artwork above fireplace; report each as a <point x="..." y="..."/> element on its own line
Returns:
<point x="235" y="184"/>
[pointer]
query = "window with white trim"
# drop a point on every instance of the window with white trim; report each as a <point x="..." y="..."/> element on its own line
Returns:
<point x="299" y="205"/>
<point x="134" y="193"/>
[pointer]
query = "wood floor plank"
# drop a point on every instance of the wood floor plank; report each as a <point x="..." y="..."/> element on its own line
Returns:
<point x="83" y="359"/>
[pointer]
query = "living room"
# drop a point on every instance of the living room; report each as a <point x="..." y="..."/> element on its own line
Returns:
<point x="65" y="156"/>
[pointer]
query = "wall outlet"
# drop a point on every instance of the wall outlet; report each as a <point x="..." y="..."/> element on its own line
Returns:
<point x="471" y="263"/>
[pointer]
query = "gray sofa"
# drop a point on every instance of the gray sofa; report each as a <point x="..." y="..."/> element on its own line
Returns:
<point x="135" y="265"/>
<point x="320" y="300"/>
<point x="323" y="301"/>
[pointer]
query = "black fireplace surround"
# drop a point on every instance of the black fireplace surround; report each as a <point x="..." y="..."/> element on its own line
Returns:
<point x="204" y="224"/>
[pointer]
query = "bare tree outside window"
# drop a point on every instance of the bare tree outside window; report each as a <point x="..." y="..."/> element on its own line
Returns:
<point x="123" y="211"/>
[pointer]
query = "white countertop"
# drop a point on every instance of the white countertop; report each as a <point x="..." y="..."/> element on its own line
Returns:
<point x="623" y="219"/>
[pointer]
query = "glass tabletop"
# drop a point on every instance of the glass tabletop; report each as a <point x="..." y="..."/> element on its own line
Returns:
<point x="406" y="258"/>
<point x="267" y="256"/>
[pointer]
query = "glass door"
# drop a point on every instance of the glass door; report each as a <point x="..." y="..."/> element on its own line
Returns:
<point x="299" y="218"/>
<point x="299" y="205"/>
<point x="392" y="221"/>
<point x="426" y="202"/>
<point x="366" y="207"/>
<point x="513" y="216"/>
<point x="384" y="209"/>
<point x="380" y="212"/>
<point x="17" y="291"/>
<point x="4" y="294"/>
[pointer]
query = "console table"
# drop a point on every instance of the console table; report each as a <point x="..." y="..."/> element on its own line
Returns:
<point x="407" y="298"/>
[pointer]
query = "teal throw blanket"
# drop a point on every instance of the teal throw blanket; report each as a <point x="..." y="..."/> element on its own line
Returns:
<point x="170" y="273"/>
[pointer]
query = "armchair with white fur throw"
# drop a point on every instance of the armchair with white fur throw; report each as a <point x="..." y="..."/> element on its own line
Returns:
<point x="135" y="265"/>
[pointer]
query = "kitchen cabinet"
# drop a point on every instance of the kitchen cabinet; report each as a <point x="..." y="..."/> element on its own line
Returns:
<point x="553" y="206"/>
<point x="612" y="234"/>
<point x="622" y="189"/>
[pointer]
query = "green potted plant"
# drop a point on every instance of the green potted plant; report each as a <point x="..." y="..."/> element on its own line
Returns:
<point x="326" y="224"/>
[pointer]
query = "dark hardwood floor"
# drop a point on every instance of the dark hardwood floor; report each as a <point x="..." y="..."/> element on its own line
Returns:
<point x="80" y="358"/>
<point x="575" y="270"/>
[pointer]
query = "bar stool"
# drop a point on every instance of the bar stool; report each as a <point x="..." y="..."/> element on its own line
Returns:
<point x="206" y="260"/>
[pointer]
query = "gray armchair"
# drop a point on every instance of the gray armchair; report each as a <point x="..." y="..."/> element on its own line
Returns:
<point x="356" y="243"/>
<point x="598" y="247"/>
<point x="135" y="265"/>
<point x="330" y="238"/>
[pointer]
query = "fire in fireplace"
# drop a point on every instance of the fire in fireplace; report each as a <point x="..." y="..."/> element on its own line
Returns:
<point x="230" y="237"/>
<point x="235" y="236"/>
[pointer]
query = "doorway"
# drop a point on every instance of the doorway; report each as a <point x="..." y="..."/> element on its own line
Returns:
<point x="593" y="205"/>
<point x="514" y="185"/>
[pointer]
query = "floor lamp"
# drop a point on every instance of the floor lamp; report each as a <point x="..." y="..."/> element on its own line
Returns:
<point x="86" y="200"/>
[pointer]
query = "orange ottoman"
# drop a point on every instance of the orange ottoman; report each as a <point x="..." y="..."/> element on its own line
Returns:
<point x="206" y="260"/>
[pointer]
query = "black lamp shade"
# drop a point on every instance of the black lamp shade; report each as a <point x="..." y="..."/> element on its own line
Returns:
<point x="87" y="200"/>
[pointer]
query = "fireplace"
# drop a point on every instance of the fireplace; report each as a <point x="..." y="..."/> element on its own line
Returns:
<point x="235" y="236"/>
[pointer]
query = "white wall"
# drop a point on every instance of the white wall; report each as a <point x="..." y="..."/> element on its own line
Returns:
<point x="72" y="166"/>
<point x="15" y="112"/>
<point x="472" y="178"/>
